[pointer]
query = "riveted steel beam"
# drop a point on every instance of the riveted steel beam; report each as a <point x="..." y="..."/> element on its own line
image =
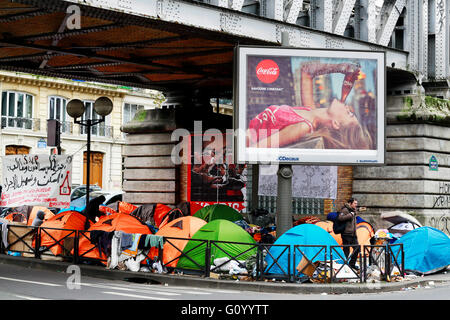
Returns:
<point x="344" y="11"/>
<point x="240" y="24"/>
<point x="394" y="12"/>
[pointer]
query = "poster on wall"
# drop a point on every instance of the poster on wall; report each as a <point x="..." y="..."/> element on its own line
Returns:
<point x="309" y="106"/>
<point x="307" y="181"/>
<point x="36" y="180"/>
<point x="212" y="175"/>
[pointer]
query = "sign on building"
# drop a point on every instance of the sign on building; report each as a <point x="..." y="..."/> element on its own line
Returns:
<point x="36" y="180"/>
<point x="309" y="106"/>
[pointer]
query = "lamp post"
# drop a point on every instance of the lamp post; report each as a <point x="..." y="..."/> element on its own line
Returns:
<point x="76" y="108"/>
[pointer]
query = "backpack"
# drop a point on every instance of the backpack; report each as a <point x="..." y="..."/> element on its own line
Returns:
<point x="338" y="226"/>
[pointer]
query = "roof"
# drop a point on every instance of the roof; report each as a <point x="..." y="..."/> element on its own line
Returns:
<point x="162" y="45"/>
<point x="113" y="47"/>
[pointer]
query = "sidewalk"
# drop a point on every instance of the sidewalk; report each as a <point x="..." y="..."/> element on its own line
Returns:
<point x="201" y="282"/>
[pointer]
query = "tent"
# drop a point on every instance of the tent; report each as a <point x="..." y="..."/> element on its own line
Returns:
<point x="48" y="214"/>
<point x="51" y="231"/>
<point x="218" y="211"/>
<point x="217" y="230"/>
<point x="402" y="222"/>
<point x="16" y="217"/>
<point x="427" y="250"/>
<point x="173" y="214"/>
<point x="184" y="227"/>
<point x="159" y="213"/>
<point x="114" y="222"/>
<point x="328" y="226"/>
<point x="303" y="235"/>
<point x="364" y="232"/>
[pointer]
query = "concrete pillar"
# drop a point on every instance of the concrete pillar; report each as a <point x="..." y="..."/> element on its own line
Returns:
<point x="149" y="173"/>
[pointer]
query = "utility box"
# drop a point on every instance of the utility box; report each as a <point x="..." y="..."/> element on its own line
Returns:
<point x="53" y="133"/>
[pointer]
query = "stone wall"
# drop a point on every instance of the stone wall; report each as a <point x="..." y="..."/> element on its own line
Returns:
<point x="406" y="183"/>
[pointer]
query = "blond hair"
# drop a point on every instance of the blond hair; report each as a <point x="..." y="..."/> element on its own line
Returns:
<point x="352" y="136"/>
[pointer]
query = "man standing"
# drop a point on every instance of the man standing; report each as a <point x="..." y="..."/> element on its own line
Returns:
<point x="348" y="215"/>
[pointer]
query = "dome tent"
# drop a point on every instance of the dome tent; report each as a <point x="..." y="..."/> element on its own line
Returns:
<point x="60" y="228"/>
<point x="183" y="228"/>
<point x="426" y="249"/>
<point x="304" y="234"/>
<point x="114" y="222"/>
<point x="218" y="211"/>
<point x="217" y="230"/>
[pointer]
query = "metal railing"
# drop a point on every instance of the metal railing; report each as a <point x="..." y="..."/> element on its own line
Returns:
<point x="33" y="124"/>
<point x="320" y="263"/>
<point x="99" y="130"/>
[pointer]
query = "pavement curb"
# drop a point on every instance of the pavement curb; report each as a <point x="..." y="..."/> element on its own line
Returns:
<point x="197" y="281"/>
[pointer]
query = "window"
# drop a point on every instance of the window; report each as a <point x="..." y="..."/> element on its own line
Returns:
<point x="102" y="129"/>
<point x="57" y="111"/>
<point x="129" y="111"/>
<point x="17" y="110"/>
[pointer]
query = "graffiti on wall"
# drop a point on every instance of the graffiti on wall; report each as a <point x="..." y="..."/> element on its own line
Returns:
<point x="441" y="223"/>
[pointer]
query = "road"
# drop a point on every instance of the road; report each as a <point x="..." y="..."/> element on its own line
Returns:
<point x="19" y="283"/>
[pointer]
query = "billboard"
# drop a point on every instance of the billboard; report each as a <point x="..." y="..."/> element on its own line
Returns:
<point x="212" y="175"/>
<point x="36" y="180"/>
<point x="309" y="106"/>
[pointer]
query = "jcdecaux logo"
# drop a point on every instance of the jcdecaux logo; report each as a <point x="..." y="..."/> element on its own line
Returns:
<point x="285" y="158"/>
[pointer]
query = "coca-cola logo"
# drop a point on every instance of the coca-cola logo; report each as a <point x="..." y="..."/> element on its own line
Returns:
<point x="267" y="71"/>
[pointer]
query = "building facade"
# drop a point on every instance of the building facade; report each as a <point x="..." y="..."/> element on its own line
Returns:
<point x="28" y="101"/>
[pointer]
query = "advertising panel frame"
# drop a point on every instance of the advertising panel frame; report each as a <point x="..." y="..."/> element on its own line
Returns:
<point x="318" y="156"/>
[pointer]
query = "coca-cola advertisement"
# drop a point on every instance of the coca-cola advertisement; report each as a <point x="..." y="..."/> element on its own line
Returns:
<point x="310" y="106"/>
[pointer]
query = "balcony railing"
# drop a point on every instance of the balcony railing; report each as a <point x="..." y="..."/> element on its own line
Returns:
<point x="21" y="123"/>
<point x="99" y="130"/>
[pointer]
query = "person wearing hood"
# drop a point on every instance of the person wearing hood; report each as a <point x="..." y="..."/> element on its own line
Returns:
<point x="39" y="219"/>
<point x="349" y="238"/>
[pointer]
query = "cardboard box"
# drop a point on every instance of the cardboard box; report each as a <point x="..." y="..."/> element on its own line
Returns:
<point x="307" y="267"/>
<point x="20" y="237"/>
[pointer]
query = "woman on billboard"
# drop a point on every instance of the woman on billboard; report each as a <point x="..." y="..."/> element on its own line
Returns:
<point x="337" y="124"/>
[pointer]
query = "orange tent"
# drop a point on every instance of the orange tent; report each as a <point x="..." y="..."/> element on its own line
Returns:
<point x="183" y="227"/>
<point x="364" y="232"/>
<point x="51" y="234"/>
<point x="16" y="217"/>
<point x="125" y="207"/>
<point x="328" y="226"/>
<point x="114" y="222"/>
<point x="160" y="212"/>
<point x="34" y="211"/>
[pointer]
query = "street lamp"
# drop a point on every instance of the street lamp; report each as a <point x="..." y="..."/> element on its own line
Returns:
<point x="76" y="108"/>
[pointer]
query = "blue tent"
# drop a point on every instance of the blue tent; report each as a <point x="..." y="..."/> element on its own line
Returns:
<point x="304" y="235"/>
<point x="427" y="250"/>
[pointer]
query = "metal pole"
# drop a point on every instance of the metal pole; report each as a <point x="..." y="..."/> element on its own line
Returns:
<point x="88" y="160"/>
<point x="284" y="196"/>
<point x="284" y="199"/>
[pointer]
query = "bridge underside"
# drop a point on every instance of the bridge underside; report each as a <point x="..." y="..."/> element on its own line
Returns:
<point x="115" y="48"/>
<point x="42" y="37"/>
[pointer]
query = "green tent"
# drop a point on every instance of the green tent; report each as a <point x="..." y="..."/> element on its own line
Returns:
<point x="218" y="211"/>
<point x="217" y="230"/>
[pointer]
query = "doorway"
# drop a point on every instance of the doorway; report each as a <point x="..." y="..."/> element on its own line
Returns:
<point x="96" y="168"/>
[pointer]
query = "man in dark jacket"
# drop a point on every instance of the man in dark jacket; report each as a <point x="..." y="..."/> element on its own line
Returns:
<point x="348" y="215"/>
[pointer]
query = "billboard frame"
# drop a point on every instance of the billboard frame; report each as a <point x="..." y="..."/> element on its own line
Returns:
<point x="315" y="156"/>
